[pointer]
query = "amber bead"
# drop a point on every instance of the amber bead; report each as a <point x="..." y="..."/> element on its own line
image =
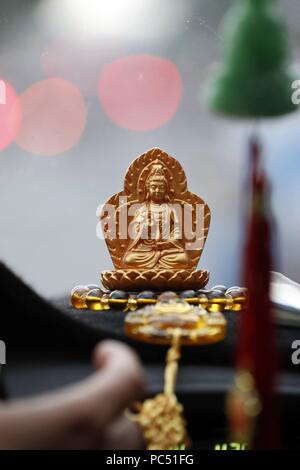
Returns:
<point x="166" y="296"/>
<point x="188" y="294"/>
<point x="216" y="301"/>
<point x="229" y="302"/>
<point x="203" y="300"/>
<point x="92" y="286"/>
<point x="93" y="299"/>
<point x="215" y="294"/>
<point x="234" y="293"/>
<point x="146" y="294"/>
<point x="78" y="295"/>
<point x="118" y="294"/>
<point x="233" y="289"/>
<point x="201" y="292"/>
<point x="238" y="298"/>
<point x="219" y="288"/>
<point x="118" y="299"/>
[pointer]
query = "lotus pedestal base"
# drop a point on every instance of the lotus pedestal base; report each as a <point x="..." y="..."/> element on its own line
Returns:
<point x="158" y="280"/>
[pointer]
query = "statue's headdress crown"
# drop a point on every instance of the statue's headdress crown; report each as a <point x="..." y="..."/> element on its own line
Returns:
<point x="157" y="173"/>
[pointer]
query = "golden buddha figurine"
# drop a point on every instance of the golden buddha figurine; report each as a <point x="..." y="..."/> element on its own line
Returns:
<point x="162" y="250"/>
<point x="155" y="229"/>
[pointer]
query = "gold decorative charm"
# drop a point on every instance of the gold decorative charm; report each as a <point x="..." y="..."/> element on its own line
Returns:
<point x="161" y="418"/>
<point x="171" y="321"/>
<point x="155" y="229"/>
<point x="158" y="323"/>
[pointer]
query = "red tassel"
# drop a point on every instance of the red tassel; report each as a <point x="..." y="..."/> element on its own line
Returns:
<point x="256" y="352"/>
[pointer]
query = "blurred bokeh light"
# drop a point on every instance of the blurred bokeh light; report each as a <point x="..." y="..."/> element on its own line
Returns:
<point x="53" y="117"/>
<point x="140" y="92"/>
<point x="9" y="113"/>
<point x="125" y="19"/>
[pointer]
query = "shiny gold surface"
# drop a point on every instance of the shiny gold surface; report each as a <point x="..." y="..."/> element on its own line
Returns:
<point x="157" y="323"/>
<point x="157" y="182"/>
<point x="140" y="279"/>
<point x="78" y="295"/>
<point x="161" y="418"/>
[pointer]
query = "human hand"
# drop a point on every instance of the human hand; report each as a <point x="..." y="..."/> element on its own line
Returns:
<point x="86" y="415"/>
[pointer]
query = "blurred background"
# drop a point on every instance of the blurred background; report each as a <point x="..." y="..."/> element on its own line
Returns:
<point x="99" y="82"/>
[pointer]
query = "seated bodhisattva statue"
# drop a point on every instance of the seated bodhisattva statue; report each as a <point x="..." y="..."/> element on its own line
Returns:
<point x="166" y="228"/>
<point x="157" y="242"/>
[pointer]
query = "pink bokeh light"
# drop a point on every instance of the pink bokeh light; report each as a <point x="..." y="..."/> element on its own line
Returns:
<point x="53" y="117"/>
<point x="10" y="114"/>
<point x="140" y="92"/>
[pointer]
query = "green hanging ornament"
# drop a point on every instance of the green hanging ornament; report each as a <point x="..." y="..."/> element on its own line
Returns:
<point x="255" y="79"/>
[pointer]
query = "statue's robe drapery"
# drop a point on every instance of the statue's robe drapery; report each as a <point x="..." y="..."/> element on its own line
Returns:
<point x="156" y="233"/>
